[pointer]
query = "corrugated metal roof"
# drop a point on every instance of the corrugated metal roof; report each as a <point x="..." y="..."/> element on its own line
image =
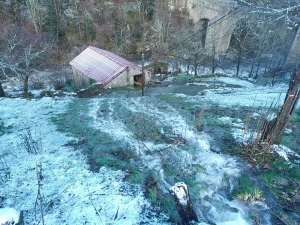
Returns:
<point x="101" y="65"/>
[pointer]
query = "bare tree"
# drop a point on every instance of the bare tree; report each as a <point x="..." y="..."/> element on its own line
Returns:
<point x="272" y="131"/>
<point x="161" y="34"/>
<point x="186" y="49"/>
<point x="36" y="14"/>
<point x="22" y="53"/>
<point x="12" y="9"/>
<point x="193" y="51"/>
<point x="241" y="42"/>
<point x="276" y="8"/>
<point x="162" y="29"/>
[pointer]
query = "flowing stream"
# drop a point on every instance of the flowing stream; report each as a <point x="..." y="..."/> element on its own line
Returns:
<point x="217" y="175"/>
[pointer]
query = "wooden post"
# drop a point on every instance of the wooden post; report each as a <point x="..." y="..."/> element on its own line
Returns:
<point x="143" y="75"/>
<point x="183" y="203"/>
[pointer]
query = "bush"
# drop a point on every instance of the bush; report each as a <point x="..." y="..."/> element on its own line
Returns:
<point x="68" y="86"/>
<point x="38" y="85"/>
<point x="58" y="84"/>
<point x="30" y="142"/>
<point x="247" y="191"/>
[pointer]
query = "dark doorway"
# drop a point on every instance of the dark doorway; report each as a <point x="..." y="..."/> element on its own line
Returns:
<point x="203" y="27"/>
<point x="138" y="80"/>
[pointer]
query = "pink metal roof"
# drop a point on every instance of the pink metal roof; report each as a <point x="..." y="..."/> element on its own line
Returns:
<point x="101" y="65"/>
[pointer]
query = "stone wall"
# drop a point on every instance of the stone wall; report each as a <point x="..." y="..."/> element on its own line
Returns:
<point x="220" y="27"/>
<point x="126" y="78"/>
<point x="93" y="90"/>
<point x="80" y="80"/>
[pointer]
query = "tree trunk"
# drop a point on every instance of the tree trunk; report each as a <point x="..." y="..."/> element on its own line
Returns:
<point x="183" y="203"/>
<point x="25" y="86"/>
<point x="196" y="69"/>
<point x="257" y="70"/>
<point x="273" y="130"/>
<point x="251" y="71"/>
<point x="214" y="63"/>
<point x="238" y="65"/>
<point x="2" y="94"/>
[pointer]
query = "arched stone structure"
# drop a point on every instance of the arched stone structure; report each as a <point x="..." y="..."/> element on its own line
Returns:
<point x="223" y="17"/>
<point x="220" y="26"/>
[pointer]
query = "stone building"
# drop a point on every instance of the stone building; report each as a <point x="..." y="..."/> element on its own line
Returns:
<point x="107" y="68"/>
<point x="224" y="15"/>
<point x="221" y="13"/>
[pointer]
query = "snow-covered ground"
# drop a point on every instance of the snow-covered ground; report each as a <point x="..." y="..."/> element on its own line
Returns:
<point x="72" y="194"/>
<point x="250" y="95"/>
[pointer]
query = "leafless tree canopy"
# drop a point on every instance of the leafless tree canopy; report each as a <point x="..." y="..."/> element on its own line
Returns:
<point x="22" y="52"/>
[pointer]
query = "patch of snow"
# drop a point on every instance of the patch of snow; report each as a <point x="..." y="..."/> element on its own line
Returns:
<point x="283" y="155"/>
<point x="71" y="193"/>
<point x="180" y="95"/>
<point x="237" y="128"/>
<point x="225" y="120"/>
<point x="271" y="116"/>
<point x="246" y="97"/>
<point x="8" y="216"/>
<point x="288" y="131"/>
<point x="215" y="165"/>
<point x="180" y="191"/>
<point x="256" y="115"/>
<point x="234" y="123"/>
<point x="235" y="81"/>
<point x="284" y="151"/>
<point x="199" y="84"/>
<point x="249" y="95"/>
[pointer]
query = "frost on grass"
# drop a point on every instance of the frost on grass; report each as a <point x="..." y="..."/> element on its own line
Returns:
<point x="284" y="151"/>
<point x="71" y="193"/>
<point x="215" y="166"/>
<point x="250" y="96"/>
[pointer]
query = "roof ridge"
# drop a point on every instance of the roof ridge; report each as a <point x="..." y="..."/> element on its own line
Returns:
<point x="100" y="52"/>
<point x="115" y="76"/>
